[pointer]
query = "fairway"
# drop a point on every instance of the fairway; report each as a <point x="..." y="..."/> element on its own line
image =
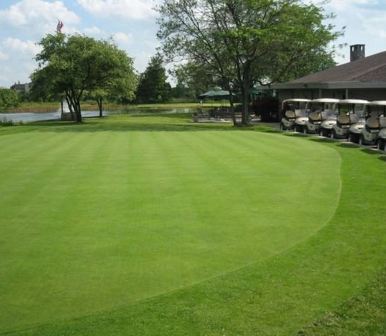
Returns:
<point x="149" y="225"/>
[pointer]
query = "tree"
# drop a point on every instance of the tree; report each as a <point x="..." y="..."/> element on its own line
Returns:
<point x="8" y="98"/>
<point x="119" y="89"/>
<point x="196" y="78"/>
<point x="70" y="65"/>
<point x="244" y="42"/>
<point x="153" y="87"/>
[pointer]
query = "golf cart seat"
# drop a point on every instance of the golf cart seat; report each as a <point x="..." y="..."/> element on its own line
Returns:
<point x="299" y="113"/>
<point x="373" y="123"/>
<point x="343" y="119"/>
<point x="289" y="114"/>
<point x="382" y="122"/>
<point x="315" y="116"/>
<point x="353" y="118"/>
<point x="325" y="114"/>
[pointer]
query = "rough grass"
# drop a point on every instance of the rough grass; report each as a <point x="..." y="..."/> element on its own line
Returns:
<point x="153" y="226"/>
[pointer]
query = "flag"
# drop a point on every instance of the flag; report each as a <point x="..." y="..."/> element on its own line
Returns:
<point x="59" y="26"/>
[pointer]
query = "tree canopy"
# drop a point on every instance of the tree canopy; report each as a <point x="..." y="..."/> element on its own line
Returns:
<point x="70" y="65"/>
<point x="153" y="86"/>
<point x="245" y="42"/>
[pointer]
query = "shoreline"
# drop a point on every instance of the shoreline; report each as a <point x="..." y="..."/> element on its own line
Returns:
<point x="54" y="107"/>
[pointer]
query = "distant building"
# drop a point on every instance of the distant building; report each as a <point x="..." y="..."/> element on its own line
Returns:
<point x="21" y="88"/>
<point x="361" y="78"/>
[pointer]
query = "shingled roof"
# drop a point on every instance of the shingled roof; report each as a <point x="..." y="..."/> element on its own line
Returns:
<point x="368" y="72"/>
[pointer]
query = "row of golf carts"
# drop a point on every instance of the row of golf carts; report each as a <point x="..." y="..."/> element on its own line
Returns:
<point x="356" y="120"/>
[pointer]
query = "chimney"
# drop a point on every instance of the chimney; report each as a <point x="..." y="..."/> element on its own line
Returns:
<point x="357" y="51"/>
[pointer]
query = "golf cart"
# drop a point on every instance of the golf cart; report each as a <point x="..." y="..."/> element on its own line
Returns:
<point x="375" y="110"/>
<point x="292" y="110"/>
<point x="320" y="110"/>
<point x="381" y="140"/>
<point x="350" y="120"/>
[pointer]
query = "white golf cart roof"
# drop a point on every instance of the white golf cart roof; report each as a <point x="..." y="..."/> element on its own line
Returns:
<point x="297" y="100"/>
<point x="378" y="102"/>
<point x="354" y="101"/>
<point x="325" y="100"/>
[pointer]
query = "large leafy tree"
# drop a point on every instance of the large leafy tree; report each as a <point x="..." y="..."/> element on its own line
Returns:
<point x="153" y="86"/>
<point x="244" y="42"/>
<point x="70" y="65"/>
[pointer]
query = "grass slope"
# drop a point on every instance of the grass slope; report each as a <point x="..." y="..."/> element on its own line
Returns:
<point x="193" y="206"/>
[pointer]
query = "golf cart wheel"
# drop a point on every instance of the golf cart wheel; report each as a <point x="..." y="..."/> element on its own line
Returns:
<point x="361" y="141"/>
<point x="381" y="145"/>
<point x="282" y="127"/>
<point x="352" y="138"/>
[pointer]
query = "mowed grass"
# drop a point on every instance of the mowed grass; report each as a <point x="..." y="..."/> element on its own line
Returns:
<point x="149" y="225"/>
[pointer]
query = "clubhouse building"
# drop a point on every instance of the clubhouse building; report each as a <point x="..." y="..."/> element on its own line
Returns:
<point x="361" y="78"/>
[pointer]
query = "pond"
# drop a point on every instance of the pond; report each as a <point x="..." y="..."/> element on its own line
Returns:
<point x="27" y="117"/>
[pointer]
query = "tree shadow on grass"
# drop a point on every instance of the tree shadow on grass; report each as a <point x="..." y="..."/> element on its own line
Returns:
<point x="296" y="135"/>
<point x="348" y="145"/>
<point x="382" y="158"/>
<point x="323" y="140"/>
<point x="372" y="151"/>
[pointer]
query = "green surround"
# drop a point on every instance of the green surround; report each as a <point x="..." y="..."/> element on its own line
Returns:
<point x="151" y="226"/>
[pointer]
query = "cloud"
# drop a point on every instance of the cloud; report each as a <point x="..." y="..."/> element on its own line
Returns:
<point x="129" y="9"/>
<point x="28" y="48"/>
<point x="122" y="38"/>
<point x="3" y="56"/>
<point x="94" y="31"/>
<point x="364" y="21"/>
<point x="344" y="4"/>
<point x="17" y="62"/>
<point x="38" y="15"/>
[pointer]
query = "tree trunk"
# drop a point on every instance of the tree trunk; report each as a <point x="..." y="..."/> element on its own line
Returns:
<point x="245" y="113"/>
<point x="245" y="90"/>
<point x="232" y="107"/>
<point x="245" y="101"/>
<point x="69" y="104"/>
<point x="100" y="105"/>
<point x="77" y="110"/>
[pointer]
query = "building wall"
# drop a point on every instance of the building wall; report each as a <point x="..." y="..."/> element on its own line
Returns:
<point x="375" y="94"/>
<point x="288" y="94"/>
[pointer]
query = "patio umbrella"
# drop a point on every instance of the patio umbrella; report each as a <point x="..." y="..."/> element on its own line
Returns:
<point x="215" y="94"/>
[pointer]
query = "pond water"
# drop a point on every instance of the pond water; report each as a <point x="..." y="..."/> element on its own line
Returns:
<point x="27" y="117"/>
<point x="41" y="116"/>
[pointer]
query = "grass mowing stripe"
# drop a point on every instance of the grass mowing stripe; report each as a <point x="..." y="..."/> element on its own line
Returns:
<point x="20" y="172"/>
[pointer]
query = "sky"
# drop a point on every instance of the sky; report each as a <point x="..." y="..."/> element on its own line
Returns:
<point x="132" y="25"/>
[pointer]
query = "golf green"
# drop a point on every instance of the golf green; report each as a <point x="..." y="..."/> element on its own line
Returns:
<point x="100" y="217"/>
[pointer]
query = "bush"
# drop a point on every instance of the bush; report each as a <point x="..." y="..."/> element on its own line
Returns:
<point x="8" y="98"/>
